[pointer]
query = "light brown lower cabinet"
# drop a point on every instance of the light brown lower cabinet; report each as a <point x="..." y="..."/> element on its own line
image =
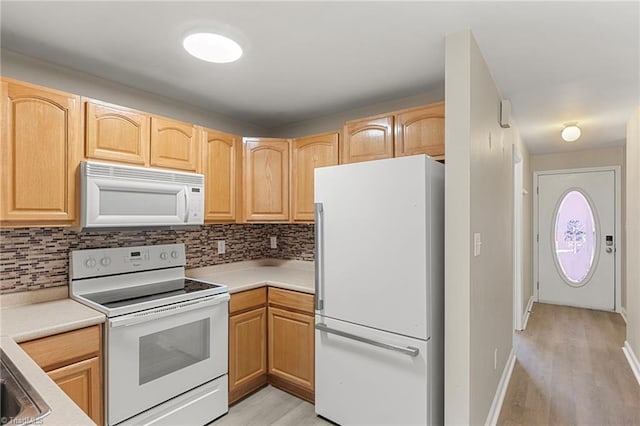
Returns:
<point x="292" y="342"/>
<point x="74" y="361"/>
<point x="81" y="381"/>
<point x="247" y="342"/>
<point x="272" y="345"/>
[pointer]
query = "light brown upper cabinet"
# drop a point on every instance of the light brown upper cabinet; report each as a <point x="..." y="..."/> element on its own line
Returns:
<point x="221" y="159"/>
<point x="41" y="148"/>
<point x="420" y="131"/>
<point x="266" y="179"/>
<point x="116" y="133"/>
<point x="367" y="139"/>
<point x="174" y="145"/>
<point x="307" y="154"/>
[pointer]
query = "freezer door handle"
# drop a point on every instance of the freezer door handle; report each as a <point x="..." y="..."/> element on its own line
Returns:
<point x="407" y="350"/>
<point x="319" y="219"/>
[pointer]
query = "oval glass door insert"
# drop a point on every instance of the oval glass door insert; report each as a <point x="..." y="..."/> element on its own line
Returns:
<point x="575" y="237"/>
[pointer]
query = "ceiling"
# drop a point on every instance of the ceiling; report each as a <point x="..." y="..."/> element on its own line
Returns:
<point x="556" y="61"/>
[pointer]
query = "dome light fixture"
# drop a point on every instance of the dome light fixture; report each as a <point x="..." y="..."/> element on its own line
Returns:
<point x="571" y="132"/>
<point x="212" y="47"/>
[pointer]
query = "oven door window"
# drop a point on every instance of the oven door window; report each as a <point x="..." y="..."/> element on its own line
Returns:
<point x="173" y="349"/>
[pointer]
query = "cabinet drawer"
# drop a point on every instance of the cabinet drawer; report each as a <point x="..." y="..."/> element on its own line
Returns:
<point x="247" y="299"/>
<point x="291" y="299"/>
<point x="64" y="348"/>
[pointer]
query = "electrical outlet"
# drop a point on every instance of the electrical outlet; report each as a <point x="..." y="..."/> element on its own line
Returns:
<point x="495" y="359"/>
<point x="221" y="247"/>
<point x="274" y="242"/>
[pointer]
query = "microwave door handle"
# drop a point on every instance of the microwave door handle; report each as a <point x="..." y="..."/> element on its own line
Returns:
<point x="187" y="203"/>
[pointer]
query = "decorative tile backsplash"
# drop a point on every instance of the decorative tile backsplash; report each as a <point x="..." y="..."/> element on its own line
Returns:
<point x="34" y="258"/>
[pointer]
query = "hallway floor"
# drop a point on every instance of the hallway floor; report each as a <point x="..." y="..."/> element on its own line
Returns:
<point x="571" y="370"/>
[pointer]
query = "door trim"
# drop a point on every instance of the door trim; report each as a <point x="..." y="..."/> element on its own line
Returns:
<point x="617" y="226"/>
<point x="518" y="220"/>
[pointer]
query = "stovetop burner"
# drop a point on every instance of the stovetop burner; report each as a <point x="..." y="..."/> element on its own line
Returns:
<point x="150" y="292"/>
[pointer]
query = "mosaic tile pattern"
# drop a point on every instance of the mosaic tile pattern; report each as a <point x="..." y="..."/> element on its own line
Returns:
<point x="34" y="258"/>
<point x="295" y="241"/>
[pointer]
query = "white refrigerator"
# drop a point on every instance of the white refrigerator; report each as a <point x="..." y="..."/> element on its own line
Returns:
<point x="379" y="292"/>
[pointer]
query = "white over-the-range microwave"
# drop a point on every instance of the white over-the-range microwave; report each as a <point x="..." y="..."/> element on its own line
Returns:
<point x="115" y="196"/>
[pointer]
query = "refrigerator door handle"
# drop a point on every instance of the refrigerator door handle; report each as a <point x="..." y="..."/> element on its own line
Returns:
<point x="407" y="350"/>
<point x="319" y="218"/>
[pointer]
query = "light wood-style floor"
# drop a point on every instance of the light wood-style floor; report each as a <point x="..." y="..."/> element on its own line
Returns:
<point x="570" y="370"/>
<point x="271" y="406"/>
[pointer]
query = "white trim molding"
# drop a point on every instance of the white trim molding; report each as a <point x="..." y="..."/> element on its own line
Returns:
<point x="623" y="314"/>
<point x="632" y="359"/>
<point x="498" y="399"/>
<point x="527" y="312"/>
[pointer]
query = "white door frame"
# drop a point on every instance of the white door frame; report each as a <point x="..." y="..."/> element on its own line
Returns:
<point x="517" y="238"/>
<point x="618" y="221"/>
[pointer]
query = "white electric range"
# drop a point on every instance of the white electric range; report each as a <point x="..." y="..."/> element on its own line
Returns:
<point x="166" y="335"/>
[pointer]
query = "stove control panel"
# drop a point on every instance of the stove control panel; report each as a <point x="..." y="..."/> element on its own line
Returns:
<point x="119" y="260"/>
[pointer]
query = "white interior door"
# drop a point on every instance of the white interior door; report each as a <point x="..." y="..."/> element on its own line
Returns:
<point x="576" y="249"/>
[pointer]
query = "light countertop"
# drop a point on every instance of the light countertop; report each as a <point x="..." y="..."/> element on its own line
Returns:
<point x="26" y="322"/>
<point x="35" y="317"/>
<point x="294" y="275"/>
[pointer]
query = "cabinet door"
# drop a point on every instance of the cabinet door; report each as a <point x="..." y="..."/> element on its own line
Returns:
<point x="291" y="347"/>
<point x="309" y="153"/>
<point x="116" y="133"/>
<point x="266" y="179"/>
<point x="41" y="148"/>
<point x="82" y="383"/>
<point x="247" y="352"/>
<point x="367" y="139"/>
<point x="174" y="145"/>
<point x="220" y="161"/>
<point x="421" y="131"/>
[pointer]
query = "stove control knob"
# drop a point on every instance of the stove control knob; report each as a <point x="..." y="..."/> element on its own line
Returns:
<point x="164" y="255"/>
<point x="105" y="261"/>
<point x="174" y="254"/>
<point x="90" y="263"/>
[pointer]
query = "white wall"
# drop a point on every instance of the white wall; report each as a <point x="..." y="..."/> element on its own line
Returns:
<point x="335" y="121"/>
<point x="46" y="74"/>
<point x="633" y="232"/>
<point x="479" y="188"/>
<point x="577" y="159"/>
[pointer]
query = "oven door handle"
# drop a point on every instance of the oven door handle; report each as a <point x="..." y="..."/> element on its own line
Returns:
<point x="165" y="311"/>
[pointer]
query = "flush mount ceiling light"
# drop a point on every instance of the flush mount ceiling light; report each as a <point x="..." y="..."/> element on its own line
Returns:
<point x="212" y="47"/>
<point x="571" y="132"/>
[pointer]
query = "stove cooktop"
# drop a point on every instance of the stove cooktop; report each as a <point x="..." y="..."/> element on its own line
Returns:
<point x="156" y="293"/>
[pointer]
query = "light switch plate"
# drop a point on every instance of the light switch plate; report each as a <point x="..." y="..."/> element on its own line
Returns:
<point x="274" y="242"/>
<point x="221" y="247"/>
<point x="477" y="243"/>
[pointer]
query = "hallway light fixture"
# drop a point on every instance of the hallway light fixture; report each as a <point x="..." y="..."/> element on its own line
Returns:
<point x="571" y="132"/>
<point x="212" y="47"/>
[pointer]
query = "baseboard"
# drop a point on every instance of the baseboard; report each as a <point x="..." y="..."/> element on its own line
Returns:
<point x="623" y="314"/>
<point x="632" y="359"/>
<point x="527" y="312"/>
<point x="498" y="399"/>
